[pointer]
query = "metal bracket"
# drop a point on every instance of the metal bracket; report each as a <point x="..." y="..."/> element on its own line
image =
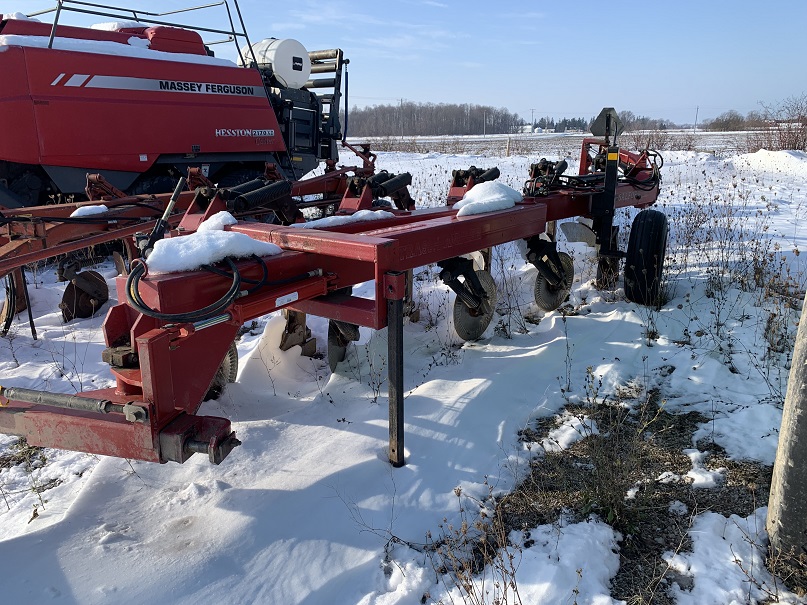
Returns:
<point x="544" y="256"/>
<point x="470" y="291"/>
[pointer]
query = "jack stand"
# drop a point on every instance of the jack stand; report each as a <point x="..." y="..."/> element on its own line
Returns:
<point x="396" y="289"/>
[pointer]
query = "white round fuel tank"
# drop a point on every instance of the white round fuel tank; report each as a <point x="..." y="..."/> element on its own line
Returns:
<point x="287" y="57"/>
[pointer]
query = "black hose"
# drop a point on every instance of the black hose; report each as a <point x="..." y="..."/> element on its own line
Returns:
<point x="264" y="281"/>
<point x="654" y="179"/>
<point x="134" y="299"/>
<point x="257" y="283"/>
<point x="11" y="301"/>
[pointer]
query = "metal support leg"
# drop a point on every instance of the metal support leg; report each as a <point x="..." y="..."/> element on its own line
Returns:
<point x="28" y="304"/>
<point x="396" y="398"/>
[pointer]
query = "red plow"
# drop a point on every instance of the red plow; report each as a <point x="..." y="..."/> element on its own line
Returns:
<point x="172" y="338"/>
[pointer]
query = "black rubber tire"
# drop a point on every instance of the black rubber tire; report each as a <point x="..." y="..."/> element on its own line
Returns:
<point x="470" y="325"/>
<point x="227" y="373"/>
<point x="644" y="260"/>
<point x="548" y="298"/>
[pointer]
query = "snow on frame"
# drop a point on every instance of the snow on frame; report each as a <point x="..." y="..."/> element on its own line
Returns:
<point x="89" y="210"/>
<point x="487" y="197"/>
<point x="208" y="245"/>
<point x="305" y="510"/>
<point x="134" y="49"/>
<point x="113" y="26"/>
<point x="336" y="220"/>
<point x="17" y="16"/>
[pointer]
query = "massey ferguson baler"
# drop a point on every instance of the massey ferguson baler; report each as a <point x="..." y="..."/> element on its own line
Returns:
<point x="140" y="103"/>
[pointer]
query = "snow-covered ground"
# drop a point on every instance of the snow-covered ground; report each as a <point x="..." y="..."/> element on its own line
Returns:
<point x="309" y="511"/>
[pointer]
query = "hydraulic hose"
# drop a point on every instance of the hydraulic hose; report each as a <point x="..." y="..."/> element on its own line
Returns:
<point x="134" y="299"/>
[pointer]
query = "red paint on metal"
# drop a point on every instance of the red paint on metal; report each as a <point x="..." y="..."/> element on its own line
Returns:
<point x="55" y="109"/>
<point x="177" y="363"/>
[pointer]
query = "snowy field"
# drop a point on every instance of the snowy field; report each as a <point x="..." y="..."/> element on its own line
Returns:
<point x="309" y="511"/>
<point x="551" y="144"/>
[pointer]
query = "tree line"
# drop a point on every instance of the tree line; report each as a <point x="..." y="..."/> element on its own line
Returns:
<point x="792" y="110"/>
<point x="563" y="124"/>
<point x="408" y="118"/>
<point x="630" y="121"/>
<point x="417" y="119"/>
<point x="777" y="126"/>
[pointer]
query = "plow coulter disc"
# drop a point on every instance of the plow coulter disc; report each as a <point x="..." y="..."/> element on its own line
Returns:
<point x="84" y="295"/>
<point x="549" y="298"/>
<point x="470" y="324"/>
<point x="226" y="374"/>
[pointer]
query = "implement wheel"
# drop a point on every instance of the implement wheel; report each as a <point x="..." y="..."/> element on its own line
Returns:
<point x="548" y="297"/>
<point x="645" y="258"/>
<point x="470" y="324"/>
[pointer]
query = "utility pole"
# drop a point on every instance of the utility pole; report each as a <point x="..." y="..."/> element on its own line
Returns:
<point x="787" y="506"/>
<point x="697" y="108"/>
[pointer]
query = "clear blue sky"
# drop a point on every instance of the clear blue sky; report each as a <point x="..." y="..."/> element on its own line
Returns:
<point x="661" y="58"/>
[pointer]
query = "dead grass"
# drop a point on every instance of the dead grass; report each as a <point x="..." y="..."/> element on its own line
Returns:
<point x="21" y="452"/>
<point x="638" y="442"/>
